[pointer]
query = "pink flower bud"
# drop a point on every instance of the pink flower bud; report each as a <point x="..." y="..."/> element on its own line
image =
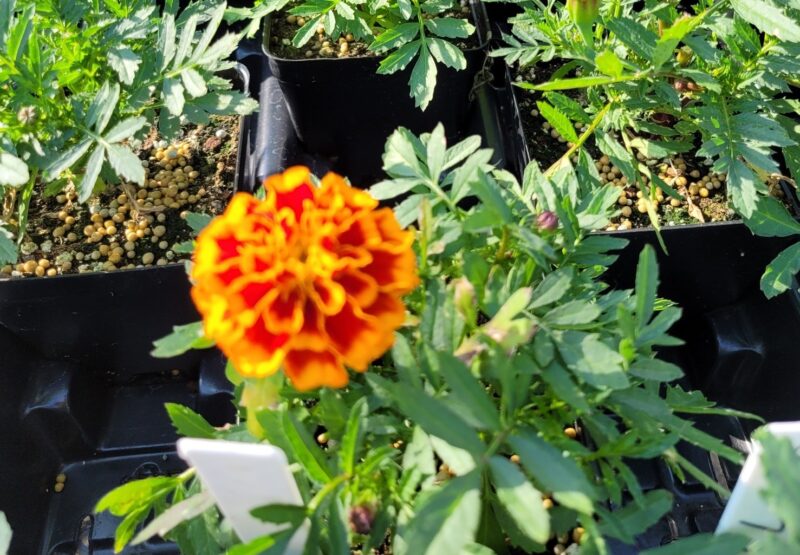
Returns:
<point x="547" y="220"/>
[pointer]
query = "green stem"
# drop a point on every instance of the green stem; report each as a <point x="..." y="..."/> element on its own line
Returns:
<point x="326" y="490"/>
<point x="582" y="139"/>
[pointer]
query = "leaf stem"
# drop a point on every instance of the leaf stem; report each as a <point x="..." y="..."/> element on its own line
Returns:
<point x="582" y="139"/>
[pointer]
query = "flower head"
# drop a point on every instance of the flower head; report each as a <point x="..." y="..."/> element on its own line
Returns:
<point x="309" y="279"/>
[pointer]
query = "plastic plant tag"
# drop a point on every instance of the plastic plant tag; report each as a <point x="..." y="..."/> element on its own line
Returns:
<point x="746" y="512"/>
<point x="242" y="477"/>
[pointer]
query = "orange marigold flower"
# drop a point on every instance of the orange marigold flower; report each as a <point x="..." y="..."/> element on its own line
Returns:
<point x="310" y="279"/>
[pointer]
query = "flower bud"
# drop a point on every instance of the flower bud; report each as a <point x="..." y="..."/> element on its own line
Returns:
<point x="26" y="114"/>
<point x="464" y="296"/>
<point x="583" y="13"/>
<point x="547" y="220"/>
<point x="361" y="518"/>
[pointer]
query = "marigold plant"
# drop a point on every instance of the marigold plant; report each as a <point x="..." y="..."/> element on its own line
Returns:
<point x="310" y="279"/>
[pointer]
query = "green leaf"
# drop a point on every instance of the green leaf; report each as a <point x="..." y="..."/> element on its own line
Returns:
<point x="671" y="37"/>
<point x="265" y="545"/>
<point x="435" y="150"/>
<point x="591" y="359"/>
<point x="646" y="285"/>
<point x="436" y="418"/>
<point x="466" y="388"/>
<point x="419" y="453"/>
<point x="125" y="163"/>
<point x="91" y="173"/>
<point x="768" y="18"/>
<point x="126" y="528"/>
<point x="395" y="37"/>
<point x="423" y="79"/>
<point x="654" y="369"/>
<point x="351" y="442"/>
<point x="635" y="36"/>
<point x="172" y="94"/>
<point x="125" y="62"/>
<point x="634" y="518"/>
<point x="447" y="519"/>
<point x="552" y="287"/>
<point x="559" y="121"/>
<point x="174" y="516"/>
<point x="399" y="59"/>
<point x="621" y="158"/>
<point x="521" y="500"/>
<point x="102" y="106"/>
<point x="198" y="221"/>
<point x="575" y="83"/>
<point x="572" y="313"/>
<point x="555" y="472"/>
<point x="132" y="495"/>
<point x="608" y="62"/>
<point x="337" y="529"/>
<point x="280" y="513"/>
<point x="8" y="248"/>
<point x="181" y="339"/>
<point x="450" y="27"/>
<point x="447" y="53"/>
<point x="703" y="544"/>
<point x="771" y="219"/>
<point x="461" y="151"/>
<point x="306" y="32"/>
<point x="194" y="83"/>
<point x="188" y="423"/>
<point x="13" y="171"/>
<point x="66" y="160"/>
<point x="125" y="129"/>
<point x="779" y="273"/>
<point x="185" y="42"/>
<point x="5" y="533"/>
<point x="742" y="188"/>
<point x="305" y="450"/>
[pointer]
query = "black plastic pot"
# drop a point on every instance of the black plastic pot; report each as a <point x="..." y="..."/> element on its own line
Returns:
<point x="343" y="110"/>
<point x="81" y="395"/>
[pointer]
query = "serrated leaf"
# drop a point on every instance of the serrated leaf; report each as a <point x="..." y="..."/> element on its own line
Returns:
<point x="447" y="519"/>
<point x="399" y="59"/>
<point x="13" y="171"/>
<point x="554" y="471"/>
<point x="125" y="62"/>
<point x="181" y="339"/>
<point x="66" y="160"/>
<point x="771" y="219"/>
<point x="194" y="83"/>
<point x="188" y="423"/>
<point x="521" y="500"/>
<point x="591" y="359"/>
<point x="395" y="37"/>
<point x="176" y="515"/>
<point x="779" y="273"/>
<point x="185" y="43"/>
<point x="559" y="121"/>
<point x="306" y="32"/>
<point x="166" y="40"/>
<point x="646" y="285"/>
<point x="125" y="163"/>
<point x="91" y="173"/>
<point x="572" y="313"/>
<point x="125" y="129"/>
<point x="447" y="53"/>
<point x="123" y="499"/>
<point x="635" y="36"/>
<point x="768" y="18"/>
<point x="450" y="27"/>
<point x="172" y="93"/>
<point x="423" y="79"/>
<point x="552" y="287"/>
<point x="742" y="188"/>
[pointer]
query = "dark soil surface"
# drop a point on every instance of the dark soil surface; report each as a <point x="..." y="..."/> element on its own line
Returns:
<point x="284" y="26"/>
<point x="111" y="232"/>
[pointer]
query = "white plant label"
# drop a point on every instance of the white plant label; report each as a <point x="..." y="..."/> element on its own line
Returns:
<point x="244" y="476"/>
<point x="746" y="512"/>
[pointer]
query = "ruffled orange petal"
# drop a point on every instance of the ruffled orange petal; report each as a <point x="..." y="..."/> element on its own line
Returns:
<point x="312" y="369"/>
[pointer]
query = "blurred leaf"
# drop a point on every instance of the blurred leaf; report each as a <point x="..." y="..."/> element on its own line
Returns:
<point x="781" y="271"/>
<point x="703" y="544"/>
<point x="305" y="450"/>
<point x="13" y="171"/>
<point x="5" y="534"/>
<point x="138" y="493"/>
<point x="8" y="248"/>
<point x="198" y="221"/>
<point x="646" y="285"/>
<point x="522" y="501"/>
<point x="554" y="471"/>
<point x="188" y="423"/>
<point x="181" y="339"/>
<point x="447" y="519"/>
<point x="281" y="513"/>
<point x="175" y="515"/>
<point x="351" y="442"/>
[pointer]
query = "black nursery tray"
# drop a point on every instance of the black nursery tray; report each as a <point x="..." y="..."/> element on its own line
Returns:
<point x="81" y="396"/>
